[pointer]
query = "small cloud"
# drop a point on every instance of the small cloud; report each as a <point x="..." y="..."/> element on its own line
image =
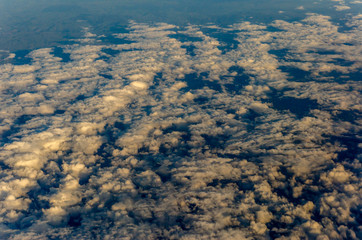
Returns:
<point x="341" y="7"/>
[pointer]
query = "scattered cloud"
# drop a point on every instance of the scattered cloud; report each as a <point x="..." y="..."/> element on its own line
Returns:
<point x="341" y="7"/>
<point x="145" y="140"/>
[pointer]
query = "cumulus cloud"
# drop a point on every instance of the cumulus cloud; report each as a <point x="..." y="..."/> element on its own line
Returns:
<point x="150" y="140"/>
<point x="342" y="5"/>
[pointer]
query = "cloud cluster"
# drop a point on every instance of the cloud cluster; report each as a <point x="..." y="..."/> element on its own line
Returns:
<point x="171" y="136"/>
<point x="341" y="5"/>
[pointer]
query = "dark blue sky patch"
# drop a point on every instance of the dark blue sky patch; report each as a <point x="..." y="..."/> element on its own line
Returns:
<point x="23" y="119"/>
<point x="104" y="58"/>
<point x="216" y="142"/>
<point x="157" y="81"/>
<point x="115" y="40"/>
<point x="339" y="77"/>
<point x="75" y="220"/>
<point x="351" y="143"/>
<point x="59" y="111"/>
<point x="147" y="110"/>
<point x="107" y="76"/>
<point x="274" y="29"/>
<point x="201" y="100"/>
<point x="119" y="29"/>
<point x="226" y="39"/>
<point x="195" y="81"/>
<point x="118" y="127"/>
<point x="7" y="135"/>
<point x="296" y="74"/>
<point x="299" y="106"/>
<point x="343" y="62"/>
<point x="21" y="57"/>
<point x="190" y="49"/>
<point x="323" y="52"/>
<point x="80" y="97"/>
<point x="110" y="135"/>
<point x="239" y="81"/>
<point x="183" y="38"/>
<point x="181" y="127"/>
<point x="279" y="53"/>
<point x="252" y="119"/>
<point x="348" y="116"/>
<point x="58" y="52"/>
<point x="110" y="51"/>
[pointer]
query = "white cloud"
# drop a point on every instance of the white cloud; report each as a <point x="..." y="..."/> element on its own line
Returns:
<point x="341" y="7"/>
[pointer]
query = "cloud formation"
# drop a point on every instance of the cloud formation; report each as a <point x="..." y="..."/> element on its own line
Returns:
<point x="171" y="136"/>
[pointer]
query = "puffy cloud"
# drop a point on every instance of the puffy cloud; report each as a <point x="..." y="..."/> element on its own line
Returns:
<point x="158" y="141"/>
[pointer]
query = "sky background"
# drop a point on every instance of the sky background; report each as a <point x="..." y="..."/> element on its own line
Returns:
<point x="33" y="24"/>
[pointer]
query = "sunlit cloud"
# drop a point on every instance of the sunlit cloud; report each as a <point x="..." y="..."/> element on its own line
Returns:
<point x="172" y="136"/>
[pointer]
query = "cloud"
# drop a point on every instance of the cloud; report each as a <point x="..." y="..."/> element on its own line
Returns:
<point x="341" y="7"/>
<point x="152" y="141"/>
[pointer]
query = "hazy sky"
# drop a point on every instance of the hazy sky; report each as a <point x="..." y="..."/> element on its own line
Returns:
<point x="30" y="24"/>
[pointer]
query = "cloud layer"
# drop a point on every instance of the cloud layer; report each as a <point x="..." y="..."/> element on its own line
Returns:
<point x="177" y="135"/>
